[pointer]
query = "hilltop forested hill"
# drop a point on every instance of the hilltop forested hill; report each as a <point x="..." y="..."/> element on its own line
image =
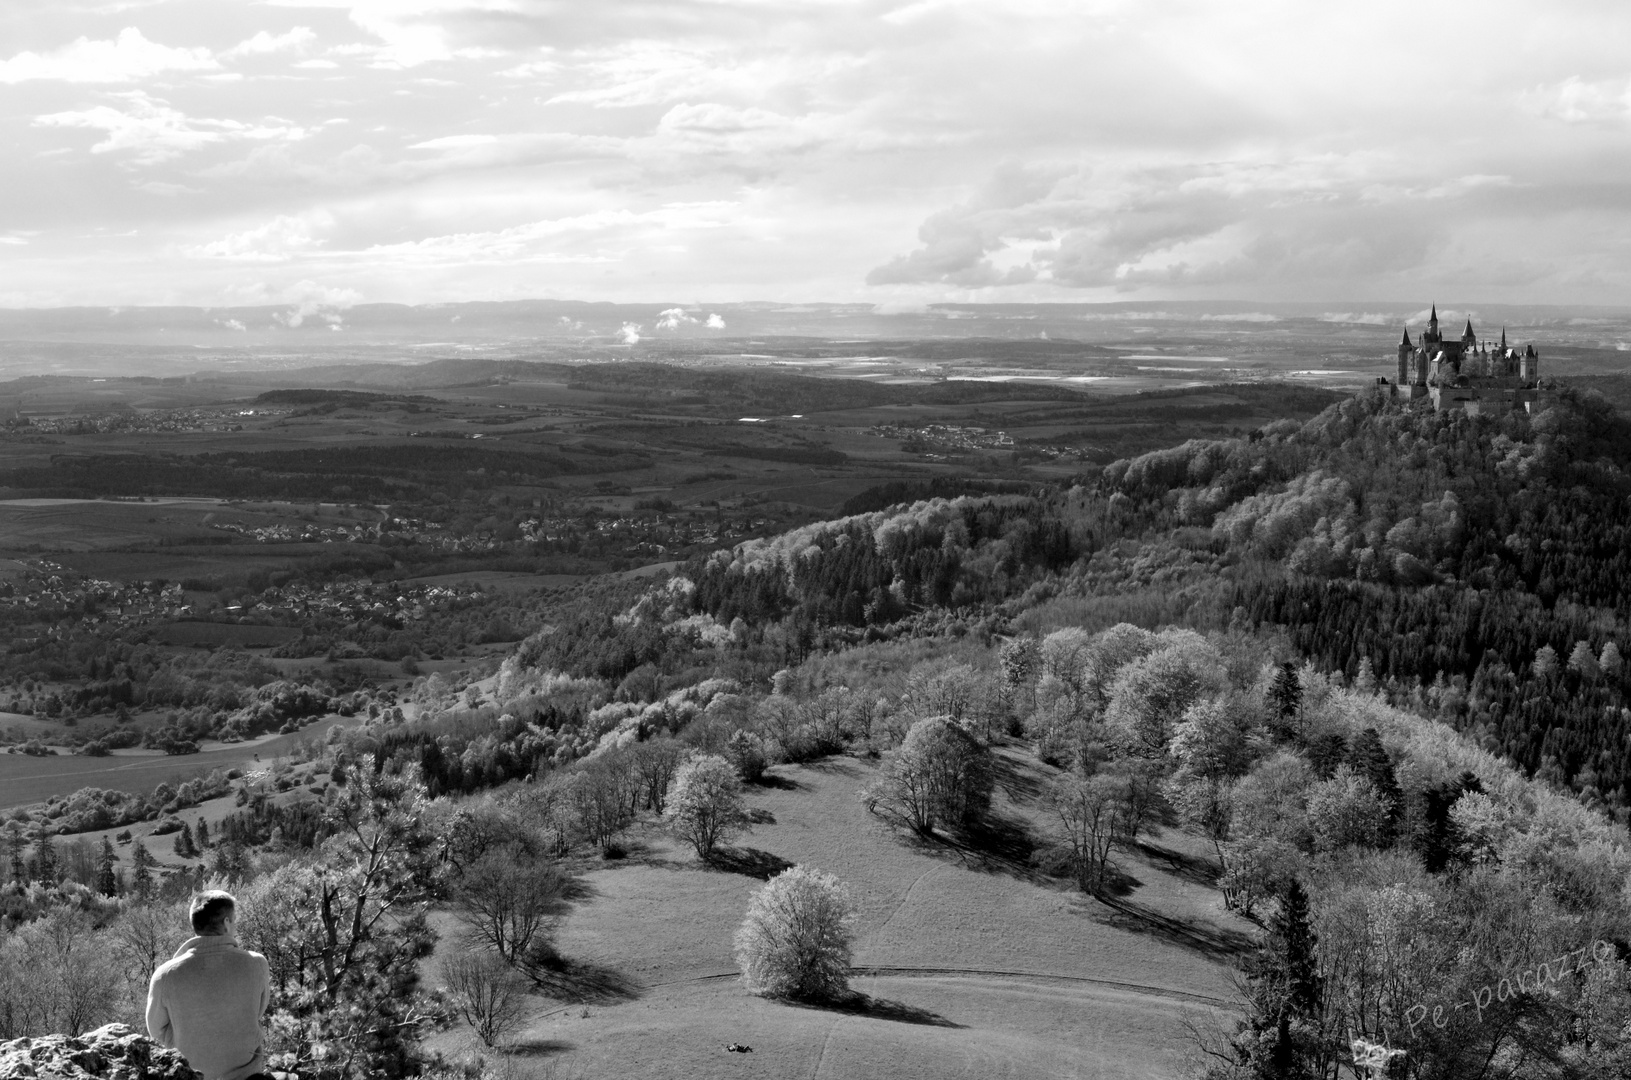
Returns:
<point x="1475" y="567"/>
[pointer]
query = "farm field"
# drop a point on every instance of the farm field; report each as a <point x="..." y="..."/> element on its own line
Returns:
<point x="27" y="779"/>
<point x="972" y="970"/>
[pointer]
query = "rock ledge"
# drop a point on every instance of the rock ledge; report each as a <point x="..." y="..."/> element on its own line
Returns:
<point x="114" y="1052"/>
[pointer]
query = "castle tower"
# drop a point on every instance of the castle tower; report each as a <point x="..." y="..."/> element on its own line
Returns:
<point x="1405" y="349"/>
<point x="1468" y="338"/>
<point x="1432" y="327"/>
<point x="1529" y="369"/>
<point x="1421" y="364"/>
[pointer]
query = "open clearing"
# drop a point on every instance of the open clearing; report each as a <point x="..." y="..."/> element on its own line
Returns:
<point x="970" y="970"/>
<point x="27" y="779"/>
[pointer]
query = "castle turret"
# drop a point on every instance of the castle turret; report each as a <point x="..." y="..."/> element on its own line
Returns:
<point x="1405" y="349"/>
<point x="1432" y="326"/>
<point x="1468" y="338"/>
<point x="1529" y="366"/>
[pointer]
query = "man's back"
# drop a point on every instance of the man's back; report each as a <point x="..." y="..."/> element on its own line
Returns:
<point x="207" y="1002"/>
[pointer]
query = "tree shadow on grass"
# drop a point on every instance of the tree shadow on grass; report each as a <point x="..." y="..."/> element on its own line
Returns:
<point x="1211" y="941"/>
<point x="748" y="861"/>
<point x="536" y="1047"/>
<point x="997" y="845"/>
<point x="777" y="783"/>
<point x="856" y="1003"/>
<point x="836" y="763"/>
<point x="577" y="982"/>
<point x="1020" y="784"/>
<point x="1197" y="869"/>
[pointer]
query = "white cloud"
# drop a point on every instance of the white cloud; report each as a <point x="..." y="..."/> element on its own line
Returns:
<point x="630" y="333"/>
<point x="454" y="142"/>
<point x="1576" y="101"/>
<point x="128" y="57"/>
<point x="716" y="321"/>
<point x="152" y="131"/>
<point x="308" y="298"/>
<point x="278" y="240"/>
<point x="231" y="324"/>
<point x="673" y="319"/>
<point x="316" y="65"/>
<point x="264" y="43"/>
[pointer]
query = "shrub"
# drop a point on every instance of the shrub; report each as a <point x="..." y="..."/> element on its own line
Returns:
<point x="745" y="752"/>
<point x="797" y="937"/>
<point x="486" y="992"/>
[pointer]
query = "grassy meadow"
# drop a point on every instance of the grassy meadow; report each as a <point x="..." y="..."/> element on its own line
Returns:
<point x="971" y="966"/>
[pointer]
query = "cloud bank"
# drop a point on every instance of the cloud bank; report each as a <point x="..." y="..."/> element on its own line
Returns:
<point x="895" y="152"/>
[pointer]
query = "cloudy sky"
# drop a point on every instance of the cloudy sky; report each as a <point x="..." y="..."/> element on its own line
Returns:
<point x="220" y="152"/>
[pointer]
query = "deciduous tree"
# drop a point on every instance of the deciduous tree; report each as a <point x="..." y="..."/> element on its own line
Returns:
<point x="797" y="937"/>
<point x="705" y="803"/>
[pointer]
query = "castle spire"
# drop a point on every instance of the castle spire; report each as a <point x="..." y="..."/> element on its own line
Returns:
<point x="1405" y="344"/>
<point x="1467" y="333"/>
<point x="1503" y="337"/>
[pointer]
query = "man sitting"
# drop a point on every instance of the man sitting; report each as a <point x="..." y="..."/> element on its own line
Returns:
<point x="207" y="1000"/>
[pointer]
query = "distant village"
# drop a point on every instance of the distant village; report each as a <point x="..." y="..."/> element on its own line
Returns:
<point x="930" y="439"/>
<point x="633" y="533"/>
<point x="157" y="421"/>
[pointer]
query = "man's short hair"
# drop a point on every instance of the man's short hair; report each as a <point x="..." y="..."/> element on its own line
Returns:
<point x="210" y="910"/>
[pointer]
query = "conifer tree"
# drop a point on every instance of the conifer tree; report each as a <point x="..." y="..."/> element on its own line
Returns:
<point x="1279" y="1039"/>
<point x="107" y="881"/>
<point x="202" y="836"/>
<point x="45" y="868"/>
<point x="184" y="845"/>
<point x="1286" y="696"/>
<point x="1365" y="677"/>
<point x="1368" y="757"/>
<point x="142" y="863"/>
<point x="14" y="854"/>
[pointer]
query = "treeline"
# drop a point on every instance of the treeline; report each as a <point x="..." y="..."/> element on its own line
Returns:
<point x="879" y="568"/>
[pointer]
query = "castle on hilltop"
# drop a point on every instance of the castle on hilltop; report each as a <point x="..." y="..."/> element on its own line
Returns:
<point x="1467" y="374"/>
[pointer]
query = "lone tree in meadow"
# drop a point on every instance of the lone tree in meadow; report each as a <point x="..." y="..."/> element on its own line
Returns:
<point x="797" y="938"/>
<point x="704" y="804"/>
<point x="484" y="990"/>
<point x="940" y="776"/>
<point x="509" y="901"/>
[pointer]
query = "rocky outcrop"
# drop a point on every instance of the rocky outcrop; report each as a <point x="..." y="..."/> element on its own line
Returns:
<point x="114" y="1052"/>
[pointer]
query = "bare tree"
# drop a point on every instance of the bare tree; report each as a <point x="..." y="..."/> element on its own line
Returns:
<point x="1091" y="813"/>
<point x="654" y="763"/>
<point x="603" y="796"/>
<point x="146" y="935"/>
<point x="486" y="992"/>
<point x="507" y="900"/>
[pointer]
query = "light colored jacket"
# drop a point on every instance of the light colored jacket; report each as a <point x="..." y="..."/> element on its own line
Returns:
<point x="207" y="1002"/>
